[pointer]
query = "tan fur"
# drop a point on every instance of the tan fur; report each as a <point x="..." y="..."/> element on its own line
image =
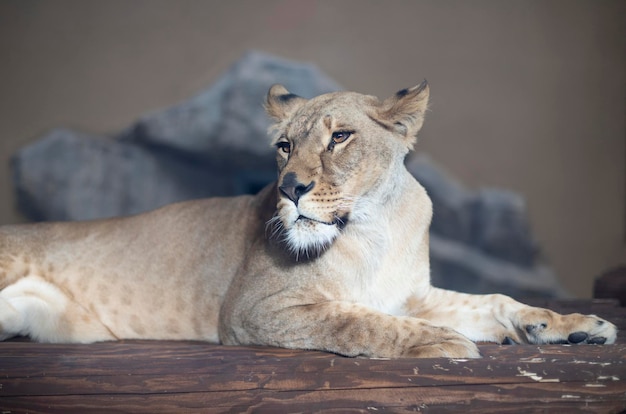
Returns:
<point x="333" y="257"/>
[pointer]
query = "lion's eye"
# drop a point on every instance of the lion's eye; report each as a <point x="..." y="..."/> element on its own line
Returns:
<point x="340" y="136"/>
<point x="284" y="146"/>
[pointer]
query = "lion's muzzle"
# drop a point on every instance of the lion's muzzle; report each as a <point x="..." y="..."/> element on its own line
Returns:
<point x="294" y="189"/>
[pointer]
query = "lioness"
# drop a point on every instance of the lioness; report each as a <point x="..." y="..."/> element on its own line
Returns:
<point x="332" y="257"/>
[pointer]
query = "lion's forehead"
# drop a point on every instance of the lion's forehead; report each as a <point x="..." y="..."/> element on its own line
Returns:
<point x="319" y="116"/>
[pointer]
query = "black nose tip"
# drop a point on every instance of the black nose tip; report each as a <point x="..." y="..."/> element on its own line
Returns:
<point x="293" y="189"/>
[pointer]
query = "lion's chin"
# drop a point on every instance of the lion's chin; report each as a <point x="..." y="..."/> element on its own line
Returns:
<point x="309" y="238"/>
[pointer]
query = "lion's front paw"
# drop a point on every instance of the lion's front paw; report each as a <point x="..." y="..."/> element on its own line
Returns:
<point x="550" y="328"/>
<point x="450" y="344"/>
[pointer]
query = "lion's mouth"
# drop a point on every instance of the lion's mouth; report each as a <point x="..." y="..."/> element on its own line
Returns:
<point x="337" y="221"/>
<point x="305" y="218"/>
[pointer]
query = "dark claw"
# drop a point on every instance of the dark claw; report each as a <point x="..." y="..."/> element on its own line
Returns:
<point x="509" y="341"/>
<point x="577" y="337"/>
<point x="532" y="328"/>
<point x="598" y="340"/>
<point x="560" y="342"/>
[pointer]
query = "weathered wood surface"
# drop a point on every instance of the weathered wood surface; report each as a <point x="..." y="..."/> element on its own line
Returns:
<point x="151" y="377"/>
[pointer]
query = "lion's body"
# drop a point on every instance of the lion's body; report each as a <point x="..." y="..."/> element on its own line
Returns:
<point x="160" y="275"/>
<point x="333" y="257"/>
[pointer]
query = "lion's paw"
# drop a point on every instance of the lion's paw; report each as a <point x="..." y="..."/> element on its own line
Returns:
<point x="449" y="345"/>
<point x="551" y="328"/>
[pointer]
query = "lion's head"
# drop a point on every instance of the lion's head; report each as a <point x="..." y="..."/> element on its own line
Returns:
<point x="338" y="155"/>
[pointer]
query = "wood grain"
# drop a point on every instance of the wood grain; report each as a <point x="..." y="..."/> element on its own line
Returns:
<point x="168" y="376"/>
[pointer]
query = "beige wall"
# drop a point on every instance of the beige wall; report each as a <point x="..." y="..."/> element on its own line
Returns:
<point x="527" y="95"/>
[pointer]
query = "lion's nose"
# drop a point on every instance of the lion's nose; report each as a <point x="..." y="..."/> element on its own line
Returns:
<point x="293" y="189"/>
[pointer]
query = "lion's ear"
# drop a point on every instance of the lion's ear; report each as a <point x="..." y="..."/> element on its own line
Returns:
<point x="404" y="111"/>
<point x="280" y="102"/>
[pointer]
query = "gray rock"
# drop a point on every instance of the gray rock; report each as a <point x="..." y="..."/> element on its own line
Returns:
<point x="500" y="227"/>
<point x="463" y="268"/>
<point x="68" y="175"/>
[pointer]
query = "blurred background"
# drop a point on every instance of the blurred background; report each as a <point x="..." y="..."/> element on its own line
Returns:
<point x="527" y="95"/>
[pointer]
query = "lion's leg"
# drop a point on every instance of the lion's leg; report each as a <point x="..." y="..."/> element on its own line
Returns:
<point x="352" y="330"/>
<point x="34" y="307"/>
<point x="499" y="318"/>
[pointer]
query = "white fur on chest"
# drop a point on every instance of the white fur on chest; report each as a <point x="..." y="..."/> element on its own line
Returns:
<point x="383" y="273"/>
<point x="386" y="293"/>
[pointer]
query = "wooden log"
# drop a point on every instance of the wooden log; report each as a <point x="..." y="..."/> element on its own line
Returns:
<point x="169" y="376"/>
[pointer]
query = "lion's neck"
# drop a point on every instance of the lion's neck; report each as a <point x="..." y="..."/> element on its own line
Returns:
<point x="380" y="230"/>
<point x="387" y="250"/>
